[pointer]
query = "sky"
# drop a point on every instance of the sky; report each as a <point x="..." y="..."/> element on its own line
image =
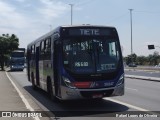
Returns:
<point x="30" y="19"/>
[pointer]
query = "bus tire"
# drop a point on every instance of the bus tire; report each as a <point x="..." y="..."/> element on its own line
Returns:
<point x="50" y="89"/>
<point x="33" y="82"/>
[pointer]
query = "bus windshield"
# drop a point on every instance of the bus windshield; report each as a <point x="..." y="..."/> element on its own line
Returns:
<point x="17" y="54"/>
<point x="85" y="56"/>
<point x="17" y="62"/>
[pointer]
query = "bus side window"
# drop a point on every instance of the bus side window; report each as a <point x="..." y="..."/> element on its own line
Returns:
<point x="48" y="48"/>
<point x="41" y="50"/>
<point x="28" y="54"/>
<point x="42" y="46"/>
<point x="32" y="52"/>
<point x="47" y="45"/>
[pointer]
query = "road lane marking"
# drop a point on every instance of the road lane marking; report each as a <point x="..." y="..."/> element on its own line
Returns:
<point x="131" y="89"/>
<point x="19" y="73"/>
<point x="28" y="106"/>
<point x="132" y="106"/>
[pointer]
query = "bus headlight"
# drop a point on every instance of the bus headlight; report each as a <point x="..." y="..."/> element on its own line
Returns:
<point x="121" y="80"/>
<point x="68" y="82"/>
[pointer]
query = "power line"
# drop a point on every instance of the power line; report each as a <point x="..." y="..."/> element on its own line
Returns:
<point x="80" y="3"/>
<point x="151" y="12"/>
<point x="85" y="3"/>
<point x="119" y="17"/>
<point x="135" y="11"/>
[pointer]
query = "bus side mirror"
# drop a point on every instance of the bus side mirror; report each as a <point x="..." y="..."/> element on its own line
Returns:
<point x="150" y="47"/>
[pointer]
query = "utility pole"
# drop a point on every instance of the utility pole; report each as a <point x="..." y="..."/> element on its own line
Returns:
<point x="71" y="12"/>
<point x="131" y="32"/>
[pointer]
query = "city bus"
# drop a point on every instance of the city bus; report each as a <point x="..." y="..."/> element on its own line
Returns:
<point x="77" y="62"/>
<point x="17" y="59"/>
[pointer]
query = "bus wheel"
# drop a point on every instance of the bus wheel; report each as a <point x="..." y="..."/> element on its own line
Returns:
<point x="49" y="89"/>
<point x="33" y="83"/>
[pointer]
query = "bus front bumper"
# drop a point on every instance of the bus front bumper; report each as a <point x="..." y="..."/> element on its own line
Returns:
<point x="16" y="67"/>
<point x="73" y="93"/>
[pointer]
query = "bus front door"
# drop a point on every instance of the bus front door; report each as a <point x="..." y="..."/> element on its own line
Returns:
<point x="57" y="68"/>
<point x="37" y="66"/>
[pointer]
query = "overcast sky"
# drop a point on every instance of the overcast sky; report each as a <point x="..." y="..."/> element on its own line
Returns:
<point x="29" y="19"/>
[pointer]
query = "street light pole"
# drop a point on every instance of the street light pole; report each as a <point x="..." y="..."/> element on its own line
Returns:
<point x="71" y="12"/>
<point x="131" y="32"/>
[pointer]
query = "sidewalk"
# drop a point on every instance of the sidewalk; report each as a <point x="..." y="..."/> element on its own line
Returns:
<point x="9" y="98"/>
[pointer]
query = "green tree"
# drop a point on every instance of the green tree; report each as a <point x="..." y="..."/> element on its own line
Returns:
<point x="155" y="58"/>
<point x="130" y="59"/>
<point x="8" y="43"/>
<point x="141" y="60"/>
<point x="127" y="59"/>
<point x="152" y="59"/>
<point x="134" y="58"/>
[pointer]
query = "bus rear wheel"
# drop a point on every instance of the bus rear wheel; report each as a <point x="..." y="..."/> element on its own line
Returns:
<point x="33" y="82"/>
<point x="50" y="90"/>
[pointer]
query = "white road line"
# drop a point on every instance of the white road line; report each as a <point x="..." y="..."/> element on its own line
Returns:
<point x="28" y="106"/>
<point x="19" y="73"/>
<point x="131" y="89"/>
<point x="131" y="106"/>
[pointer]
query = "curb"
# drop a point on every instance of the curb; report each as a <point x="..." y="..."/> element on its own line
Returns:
<point x="149" y="70"/>
<point x="143" y="78"/>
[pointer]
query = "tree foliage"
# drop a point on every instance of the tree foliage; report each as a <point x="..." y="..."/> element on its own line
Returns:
<point x="8" y="43"/>
<point x="130" y="59"/>
<point x="141" y="60"/>
<point x="152" y="59"/>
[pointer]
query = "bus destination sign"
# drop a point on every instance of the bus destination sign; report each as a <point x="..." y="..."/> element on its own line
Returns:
<point x="90" y="32"/>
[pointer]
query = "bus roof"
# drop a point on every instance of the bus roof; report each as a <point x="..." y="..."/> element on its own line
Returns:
<point x="57" y="30"/>
<point x="86" y="25"/>
<point x="17" y="51"/>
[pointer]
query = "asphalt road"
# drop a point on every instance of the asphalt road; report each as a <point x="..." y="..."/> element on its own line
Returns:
<point x="144" y="94"/>
<point x="139" y="96"/>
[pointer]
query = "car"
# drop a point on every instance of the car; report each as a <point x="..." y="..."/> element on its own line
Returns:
<point x="132" y="65"/>
<point x="157" y="66"/>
